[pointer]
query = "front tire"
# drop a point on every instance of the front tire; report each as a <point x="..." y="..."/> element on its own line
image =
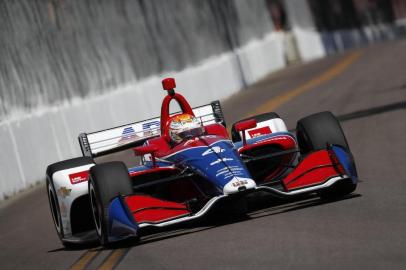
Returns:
<point x="313" y="133"/>
<point x="107" y="181"/>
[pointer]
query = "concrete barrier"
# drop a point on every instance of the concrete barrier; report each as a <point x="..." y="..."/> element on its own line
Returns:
<point x="12" y="177"/>
<point x="307" y="37"/>
<point x="261" y="58"/>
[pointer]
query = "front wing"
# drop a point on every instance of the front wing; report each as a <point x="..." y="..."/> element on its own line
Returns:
<point x="318" y="170"/>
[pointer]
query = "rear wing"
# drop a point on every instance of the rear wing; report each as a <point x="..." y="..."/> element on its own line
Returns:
<point x="115" y="139"/>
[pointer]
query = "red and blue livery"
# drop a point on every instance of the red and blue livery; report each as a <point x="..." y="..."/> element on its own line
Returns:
<point x="174" y="183"/>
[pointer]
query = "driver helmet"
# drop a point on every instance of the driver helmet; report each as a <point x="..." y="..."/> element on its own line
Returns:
<point x="183" y="126"/>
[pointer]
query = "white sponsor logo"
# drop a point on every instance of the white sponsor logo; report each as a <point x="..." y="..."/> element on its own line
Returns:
<point x="222" y="171"/>
<point x="220" y="160"/>
<point x="239" y="183"/>
<point x="215" y="149"/>
<point x="230" y="171"/>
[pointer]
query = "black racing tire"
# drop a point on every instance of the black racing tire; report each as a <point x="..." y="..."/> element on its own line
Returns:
<point x="107" y="181"/>
<point x="235" y="135"/>
<point x="315" y="131"/>
<point x="55" y="210"/>
<point x="52" y="195"/>
<point x="339" y="190"/>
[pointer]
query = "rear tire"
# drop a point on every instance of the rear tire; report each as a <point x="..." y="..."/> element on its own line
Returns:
<point x="313" y="133"/>
<point x="107" y="181"/>
<point x="52" y="195"/>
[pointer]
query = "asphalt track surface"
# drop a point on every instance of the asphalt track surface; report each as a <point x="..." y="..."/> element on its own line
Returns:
<point x="367" y="90"/>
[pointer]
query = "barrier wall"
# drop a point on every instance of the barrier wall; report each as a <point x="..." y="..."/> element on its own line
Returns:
<point x="32" y="142"/>
<point x="307" y="37"/>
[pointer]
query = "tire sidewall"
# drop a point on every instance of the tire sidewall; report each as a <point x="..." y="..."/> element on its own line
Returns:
<point x="101" y="215"/>
<point x="106" y="182"/>
<point x="55" y="210"/>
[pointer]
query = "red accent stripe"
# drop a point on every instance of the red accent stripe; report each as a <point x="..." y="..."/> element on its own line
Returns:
<point x="149" y="209"/>
<point x="315" y="169"/>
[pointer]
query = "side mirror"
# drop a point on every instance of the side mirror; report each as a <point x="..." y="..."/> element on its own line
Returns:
<point x="147" y="149"/>
<point x="243" y="126"/>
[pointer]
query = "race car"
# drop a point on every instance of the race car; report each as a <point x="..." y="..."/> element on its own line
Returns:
<point x="186" y="163"/>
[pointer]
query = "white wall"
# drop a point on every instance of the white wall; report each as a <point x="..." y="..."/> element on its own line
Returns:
<point x="30" y="143"/>
<point x="308" y="39"/>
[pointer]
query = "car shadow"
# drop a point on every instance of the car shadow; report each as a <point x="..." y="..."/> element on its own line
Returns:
<point x="261" y="208"/>
<point x="295" y="206"/>
<point x="93" y="246"/>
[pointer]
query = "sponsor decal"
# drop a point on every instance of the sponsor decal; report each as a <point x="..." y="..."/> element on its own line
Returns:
<point x="240" y="183"/>
<point x="230" y="171"/>
<point x="64" y="192"/>
<point x="79" y="177"/>
<point x="128" y="135"/>
<point x="259" y="131"/>
<point x="215" y="149"/>
<point x="151" y="128"/>
<point x="222" y="171"/>
<point x="220" y="160"/>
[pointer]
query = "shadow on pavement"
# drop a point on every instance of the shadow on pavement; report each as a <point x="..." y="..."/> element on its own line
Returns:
<point x="372" y="111"/>
<point x="263" y="207"/>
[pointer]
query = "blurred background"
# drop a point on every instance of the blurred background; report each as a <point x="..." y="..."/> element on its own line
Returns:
<point x="69" y="66"/>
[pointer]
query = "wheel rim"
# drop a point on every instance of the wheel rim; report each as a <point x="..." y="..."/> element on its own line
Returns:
<point x="54" y="211"/>
<point x="95" y="209"/>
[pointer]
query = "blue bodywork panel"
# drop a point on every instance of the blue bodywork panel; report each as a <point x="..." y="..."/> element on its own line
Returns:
<point x="121" y="223"/>
<point x="347" y="161"/>
<point x="218" y="163"/>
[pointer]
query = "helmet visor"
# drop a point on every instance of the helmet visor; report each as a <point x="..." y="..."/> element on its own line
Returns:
<point x="191" y="133"/>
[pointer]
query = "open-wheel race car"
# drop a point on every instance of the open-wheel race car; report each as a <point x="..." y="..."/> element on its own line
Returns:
<point x="187" y="164"/>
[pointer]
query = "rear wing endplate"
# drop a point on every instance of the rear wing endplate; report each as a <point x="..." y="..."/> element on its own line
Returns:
<point x="115" y="139"/>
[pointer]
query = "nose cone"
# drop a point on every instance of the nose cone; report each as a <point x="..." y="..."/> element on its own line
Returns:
<point x="238" y="184"/>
